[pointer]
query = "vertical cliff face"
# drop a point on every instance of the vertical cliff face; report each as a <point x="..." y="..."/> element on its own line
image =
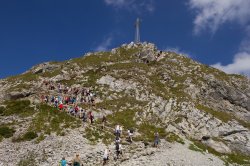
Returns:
<point x="136" y="86"/>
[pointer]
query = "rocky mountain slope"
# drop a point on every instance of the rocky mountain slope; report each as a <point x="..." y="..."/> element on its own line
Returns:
<point x="202" y="114"/>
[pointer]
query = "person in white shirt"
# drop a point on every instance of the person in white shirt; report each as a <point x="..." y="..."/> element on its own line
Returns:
<point x="117" y="130"/>
<point x="105" y="156"/>
<point x="130" y="134"/>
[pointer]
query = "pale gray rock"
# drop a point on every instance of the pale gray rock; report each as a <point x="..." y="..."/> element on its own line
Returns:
<point x="18" y="94"/>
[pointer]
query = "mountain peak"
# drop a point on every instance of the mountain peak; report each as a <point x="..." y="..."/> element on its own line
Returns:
<point x="138" y="87"/>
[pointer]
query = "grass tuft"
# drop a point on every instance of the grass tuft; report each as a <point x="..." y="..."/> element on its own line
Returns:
<point x="18" y="107"/>
<point x="6" y="132"/>
<point x="30" y="135"/>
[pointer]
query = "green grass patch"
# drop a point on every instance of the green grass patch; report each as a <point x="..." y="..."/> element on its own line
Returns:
<point x="119" y="103"/>
<point x="6" y="132"/>
<point x="18" y="107"/>
<point x="49" y="119"/>
<point x="243" y="123"/>
<point x="69" y="82"/>
<point x="238" y="159"/>
<point x="92" y="75"/>
<point x="40" y="138"/>
<point x="172" y="137"/>
<point x="158" y="87"/>
<point x="178" y="120"/>
<point x="100" y="58"/>
<point x="95" y="133"/>
<point x="195" y="148"/>
<point x="148" y="130"/>
<point x="92" y="60"/>
<point x="234" y="158"/>
<point x="20" y="87"/>
<point x="2" y="109"/>
<point x="51" y="74"/>
<point x="28" y="136"/>
<point x="130" y="66"/>
<point x="125" y="118"/>
<point x="26" y="77"/>
<point x="223" y="116"/>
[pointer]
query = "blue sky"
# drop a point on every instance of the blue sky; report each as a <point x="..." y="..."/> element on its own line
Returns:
<point x="213" y="32"/>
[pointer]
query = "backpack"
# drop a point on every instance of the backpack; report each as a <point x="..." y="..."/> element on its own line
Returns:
<point x="131" y="131"/>
<point x="117" y="147"/>
<point x="76" y="164"/>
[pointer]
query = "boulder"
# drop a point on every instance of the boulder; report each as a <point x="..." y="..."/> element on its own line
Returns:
<point x="218" y="146"/>
<point x="47" y="66"/>
<point x="18" y="95"/>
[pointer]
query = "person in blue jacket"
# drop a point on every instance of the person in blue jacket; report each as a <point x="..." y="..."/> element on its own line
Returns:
<point x="63" y="162"/>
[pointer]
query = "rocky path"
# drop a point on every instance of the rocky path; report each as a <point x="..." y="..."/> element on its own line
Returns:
<point x="173" y="155"/>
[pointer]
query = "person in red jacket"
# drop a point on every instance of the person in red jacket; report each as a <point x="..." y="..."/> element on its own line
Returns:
<point x="60" y="106"/>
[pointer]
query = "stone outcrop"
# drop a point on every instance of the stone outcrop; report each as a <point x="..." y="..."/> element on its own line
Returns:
<point x="17" y="95"/>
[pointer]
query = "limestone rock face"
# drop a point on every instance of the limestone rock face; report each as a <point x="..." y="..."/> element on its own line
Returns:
<point x="44" y="67"/>
<point x="218" y="146"/>
<point x="18" y="95"/>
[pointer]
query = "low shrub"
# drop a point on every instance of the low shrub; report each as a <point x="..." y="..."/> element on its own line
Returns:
<point x="172" y="137"/>
<point x="30" y="135"/>
<point x="6" y="132"/>
<point x="1" y="110"/>
<point x="18" y="107"/>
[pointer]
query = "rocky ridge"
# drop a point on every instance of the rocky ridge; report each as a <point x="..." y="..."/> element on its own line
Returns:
<point x="188" y="101"/>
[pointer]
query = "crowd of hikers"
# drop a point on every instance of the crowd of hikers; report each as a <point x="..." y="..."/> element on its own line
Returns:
<point x="68" y="95"/>
<point x="68" y="99"/>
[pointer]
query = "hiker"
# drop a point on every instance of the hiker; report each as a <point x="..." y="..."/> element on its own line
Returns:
<point x="63" y="162"/>
<point x="84" y="116"/>
<point x="118" y="149"/>
<point x="80" y="113"/>
<point x="76" y="109"/>
<point x="91" y="117"/>
<point x="52" y="99"/>
<point x="104" y="121"/>
<point x="130" y="134"/>
<point x="46" y="99"/>
<point x="156" y="141"/>
<point x="117" y="130"/>
<point x="121" y="131"/>
<point x="105" y="156"/>
<point x="42" y="98"/>
<point x="92" y="98"/>
<point x="117" y="139"/>
<point x="60" y="106"/>
<point x="71" y="110"/>
<point x="76" y="161"/>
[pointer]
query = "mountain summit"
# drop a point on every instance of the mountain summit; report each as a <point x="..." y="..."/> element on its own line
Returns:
<point x="201" y="114"/>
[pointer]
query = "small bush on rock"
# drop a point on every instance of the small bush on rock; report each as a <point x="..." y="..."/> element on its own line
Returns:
<point x="6" y="132"/>
<point x="18" y="107"/>
<point x="1" y="110"/>
<point x="30" y="135"/>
